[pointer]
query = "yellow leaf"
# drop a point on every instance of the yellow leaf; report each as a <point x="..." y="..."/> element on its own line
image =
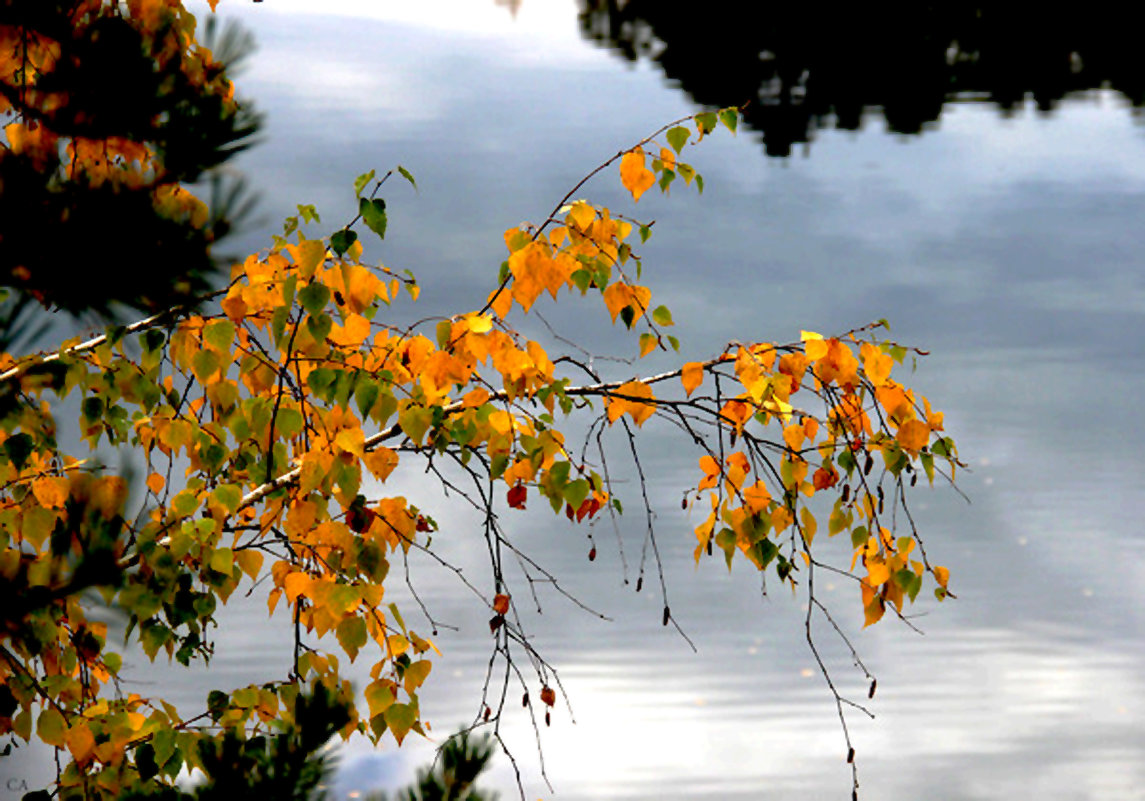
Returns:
<point x="416" y="674"/>
<point x="581" y="215"/>
<point x="379" y="696"/>
<point x="668" y="158"/>
<point x="873" y="606"/>
<point x="397" y="645"/>
<point x="711" y="470"/>
<point x="648" y="344"/>
<point x="876" y="364"/>
<point x="781" y="518"/>
<point x="794" y="435"/>
<point x="307" y="254"/>
<point x="941" y="575"/>
<point x="479" y="323"/>
<point x="636" y="177"/>
<point x="381" y="462"/>
<point x="692" y="375"/>
<point x="878" y="572"/>
<point x="810" y="524"/>
<point x="351" y="440"/>
<point x="250" y="561"/>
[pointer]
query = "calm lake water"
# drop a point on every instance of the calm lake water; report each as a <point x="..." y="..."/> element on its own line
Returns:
<point x="1010" y="245"/>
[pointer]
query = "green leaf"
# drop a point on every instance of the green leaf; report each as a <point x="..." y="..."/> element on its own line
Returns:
<point x="400" y="718"/>
<point x="374" y="215"/>
<point x="217" y="703"/>
<point x="559" y="474"/>
<point x="145" y="761"/>
<point x="415" y="421"/>
<point x="729" y="117"/>
<point x="341" y="240"/>
<point x="361" y="181"/>
<point x="859" y="536"/>
<point x="628" y="315"/>
<point x="219" y="334"/>
<point x="407" y="175"/>
<point x="645" y="232"/>
<point x="314" y="297"/>
<point x="678" y="137"/>
<point x="153" y="339"/>
<point x="222" y="560"/>
<point x="927" y="460"/>
<point x="351" y="633"/>
<point x="50" y="727"/>
<point x="576" y="493"/>
<point x="765" y="550"/>
<point x="320" y="380"/>
<point x="185" y="503"/>
<point x="895" y="459"/>
<point x="308" y="213"/>
<point x="706" y="122"/>
<point x="365" y="395"/>
<point x="229" y="496"/>
<point x="288" y="423"/>
<point x="675" y="343"/>
<point x="726" y="541"/>
<point x="662" y="316"/>
<point x="444" y="330"/>
<point x="319" y="326"/>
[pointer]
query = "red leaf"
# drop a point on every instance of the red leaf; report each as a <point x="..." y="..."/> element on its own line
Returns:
<point x="517" y="496"/>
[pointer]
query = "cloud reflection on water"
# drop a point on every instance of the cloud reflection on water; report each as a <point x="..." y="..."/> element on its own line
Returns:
<point x="1011" y="249"/>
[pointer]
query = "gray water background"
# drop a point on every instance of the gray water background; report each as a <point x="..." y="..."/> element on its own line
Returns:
<point x="1011" y="248"/>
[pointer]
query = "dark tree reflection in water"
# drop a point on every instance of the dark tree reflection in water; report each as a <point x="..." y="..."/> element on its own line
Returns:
<point x="801" y="69"/>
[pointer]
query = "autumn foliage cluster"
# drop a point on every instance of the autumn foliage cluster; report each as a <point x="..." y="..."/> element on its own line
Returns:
<point x="269" y="419"/>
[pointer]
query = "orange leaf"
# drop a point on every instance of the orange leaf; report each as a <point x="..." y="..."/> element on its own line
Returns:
<point x="501" y="604"/>
<point x="636" y="178"/>
<point x="637" y="401"/>
<point x="500" y="301"/>
<point x="668" y="158"/>
<point x="913" y="435"/>
<point x="813" y="345"/>
<point x="81" y="742"/>
<point x="51" y="491"/>
<point x="692" y="375"/>
<point x="296" y="584"/>
<point x="155" y="483"/>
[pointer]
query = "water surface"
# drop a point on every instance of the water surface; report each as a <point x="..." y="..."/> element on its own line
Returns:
<point x="1007" y="244"/>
